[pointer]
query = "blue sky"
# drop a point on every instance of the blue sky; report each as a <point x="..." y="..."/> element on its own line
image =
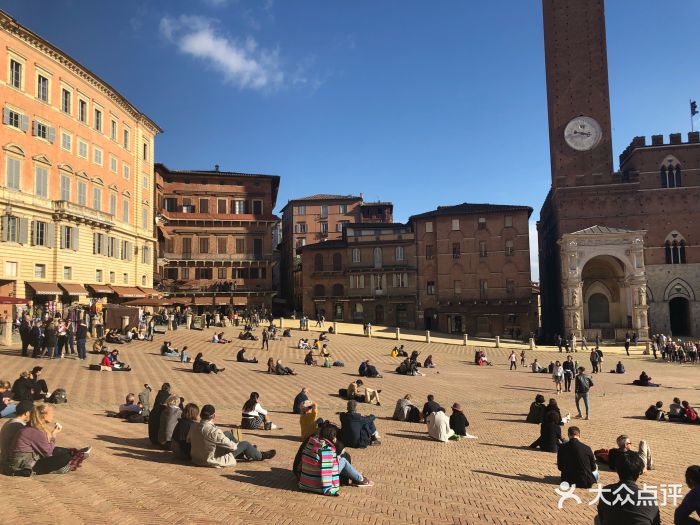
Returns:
<point x="421" y="103"/>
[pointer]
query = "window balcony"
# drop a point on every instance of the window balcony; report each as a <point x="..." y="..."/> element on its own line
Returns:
<point x="75" y="212"/>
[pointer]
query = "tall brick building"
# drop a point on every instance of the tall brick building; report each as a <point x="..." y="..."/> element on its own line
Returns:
<point x="618" y="249"/>
<point x="474" y="270"/>
<point x="215" y="235"/>
<point x="318" y="218"/>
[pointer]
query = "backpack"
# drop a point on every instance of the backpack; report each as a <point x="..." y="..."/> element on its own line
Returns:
<point x="413" y="415"/>
<point x="319" y="468"/>
<point x="338" y="363"/>
<point x="59" y="396"/>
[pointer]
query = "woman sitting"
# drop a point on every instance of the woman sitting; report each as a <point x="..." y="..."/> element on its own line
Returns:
<point x="254" y="415"/>
<point x="99" y="346"/>
<point x="309" y="359"/>
<point x="241" y="358"/>
<point x="550" y="433"/>
<point x="429" y="362"/>
<point x="219" y="338"/>
<point x="168" y="419"/>
<point x="167" y="350"/>
<point x="282" y="370"/>
<point x="111" y="362"/>
<point x="179" y="445"/>
<point x="644" y="380"/>
<point x="407" y="368"/>
<point x="23" y="387"/>
<point x="323" y="337"/>
<point x="398" y="351"/>
<point x="35" y="449"/>
<point x="7" y="408"/>
<point x="483" y="360"/>
<point x="135" y="334"/>
<point x="303" y="344"/>
<point x="41" y="389"/>
<point x="200" y="366"/>
<point x="537" y="408"/>
<point x="112" y="336"/>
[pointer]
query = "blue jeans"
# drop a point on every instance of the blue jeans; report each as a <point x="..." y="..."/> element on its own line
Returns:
<point x="171" y="354"/>
<point x="9" y="410"/>
<point x="81" y="348"/>
<point x="583" y="396"/>
<point x="345" y="467"/>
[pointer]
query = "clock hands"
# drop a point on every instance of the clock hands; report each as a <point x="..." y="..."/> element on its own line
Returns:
<point x="585" y="133"/>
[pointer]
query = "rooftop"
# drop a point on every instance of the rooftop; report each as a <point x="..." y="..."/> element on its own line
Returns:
<point x="472" y="208"/>
<point x="592" y="230"/>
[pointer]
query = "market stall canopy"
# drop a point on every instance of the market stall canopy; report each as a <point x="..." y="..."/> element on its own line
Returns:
<point x="73" y="289"/>
<point x="12" y="300"/>
<point x="128" y="292"/>
<point x="100" y="289"/>
<point x="150" y="292"/>
<point x="148" y="301"/>
<point x="45" y="288"/>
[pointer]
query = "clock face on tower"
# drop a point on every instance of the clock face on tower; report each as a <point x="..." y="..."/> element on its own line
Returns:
<point x="583" y="133"/>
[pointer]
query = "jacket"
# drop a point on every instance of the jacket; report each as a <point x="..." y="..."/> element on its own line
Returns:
<point x="576" y="464"/>
<point x="438" y="426"/>
<point x="82" y="332"/>
<point x="319" y="467"/>
<point x="629" y="509"/>
<point x="168" y="420"/>
<point x="356" y="430"/>
<point x="582" y="384"/>
<point x="401" y="410"/>
<point x="205" y="438"/>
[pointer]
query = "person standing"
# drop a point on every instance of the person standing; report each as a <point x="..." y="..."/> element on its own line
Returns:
<point x="512" y="358"/>
<point x="265" y="340"/>
<point x="24" y="330"/>
<point x="569" y="370"/>
<point x="582" y="387"/>
<point x="627" y="344"/>
<point x="522" y="358"/>
<point x="584" y="343"/>
<point x="560" y="343"/>
<point x="595" y="359"/>
<point x="558" y="376"/>
<point x="81" y="339"/>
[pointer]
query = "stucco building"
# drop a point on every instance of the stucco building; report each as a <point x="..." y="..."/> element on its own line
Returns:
<point x="76" y="186"/>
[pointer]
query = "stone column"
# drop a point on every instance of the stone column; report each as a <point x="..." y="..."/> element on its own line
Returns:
<point x="188" y="322"/>
<point x="398" y="333"/>
<point x="532" y="343"/>
<point x="498" y="341"/>
<point x="7" y="332"/>
<point x="427" y="336"/>
<point x="466" y="340"/>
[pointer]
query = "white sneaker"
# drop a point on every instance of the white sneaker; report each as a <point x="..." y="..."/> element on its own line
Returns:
<point x="469" y="436"/>
<point x="273" y="426"/>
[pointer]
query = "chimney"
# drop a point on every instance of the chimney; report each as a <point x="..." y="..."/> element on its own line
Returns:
<point x="657" y="140"/>
<point x="694" y="137"/>
<point x="675" y="138"/>
<point x="216" y="167"/>
<point x="639" y="142"/>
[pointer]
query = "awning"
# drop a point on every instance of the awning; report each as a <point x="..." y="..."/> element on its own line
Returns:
<point x="206" y="301"/>
<point x="73" y="289"/>
<point x="12" y="300"/>
<point x="222" y="300"/>
<point x="150" y="292"/>
<point x="45" y="288"/>
<point x="100" y="289"/>
<point x="128" y="292"/>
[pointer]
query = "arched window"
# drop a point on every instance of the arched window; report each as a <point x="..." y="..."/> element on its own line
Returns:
<point x="377" y="257"/>
<point x="319" y="290"/>
<point x="337" y="290"/>
<point x="337" y="262"/>
<point x="671" y="173"/>
<point x="675" y="249"/>
<point x="318" y="262"/>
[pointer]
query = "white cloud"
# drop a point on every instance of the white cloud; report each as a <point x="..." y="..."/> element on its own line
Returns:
<point x="534" y="253"/>
<point x="242" y="62"/>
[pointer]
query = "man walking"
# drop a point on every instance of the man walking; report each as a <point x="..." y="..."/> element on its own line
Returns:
<point x="513" y="359"/>
<point x="627" y="344"/>
<point x="265" y="339"/>
<point x="582" y="386"/>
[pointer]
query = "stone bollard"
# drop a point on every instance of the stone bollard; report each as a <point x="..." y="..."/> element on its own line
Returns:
<point x="427" y="336"/>
<point x="398" y="333"/>
<point x="532" y="343"/>
<point x="498" y="341"/>
<point x="217" y="319"/>
<point x="7" y="332"/>
<point x="188" y="322"/>
<point x="335" y="327"/>
<point x="281" y="322"/>
<point x="369" y="332"/>
<point x="466" y="340"/>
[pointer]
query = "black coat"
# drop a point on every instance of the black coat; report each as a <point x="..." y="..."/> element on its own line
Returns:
<point x="356" y="430"/>
<point x="35" y="337"/>
<point x="23" y="388"/>
<point x="301" y="397"/>
<point x="576" y="463"/>
<point x="154" y="423"/>
<point x="459" y="423"/>
<point x="50" y="337"/>
<point x="550" y="436"/>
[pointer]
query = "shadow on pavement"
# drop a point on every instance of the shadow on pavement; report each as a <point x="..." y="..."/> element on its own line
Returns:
<point x="549" y="480"/>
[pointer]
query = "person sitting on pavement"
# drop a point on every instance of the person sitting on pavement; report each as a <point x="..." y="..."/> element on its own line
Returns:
<point x="406" y="411"/>
<point x="212" y="447"/>
<point x="200" y="366"/>
<point x="624" y="444"/>
<point x="675" y="410"/>
<point x="323" y="337"/>
<point x="7" y="408"/>
<point x="303" y="344"/>
<point x="254" y="415"/>
<point x="179" y="445"/>
<point x="9" y="431"/>
<point x="129" y="407"/>
<point x="309" y="359"/>
<point x="111" y="362"/>
<point x="691" y="501"/>
<point x="308" y="419"/>
<point x="439" y="426"/>
<point x="287" y="333"/>
<point x="430" y="406"/>
<point x="41" y="389"/>
<point x="550" y="433"/>
<point x="632" y="508"/>
<point x="219" y="338"/>
<point x="368" y="370"/>
<point x="247" y="335"/>
<point x="656" y="412"/>
<point x="356" y="430"/>
<point x="241" y="358"/>
<point x="619" y="368"/>
<point x="168" y="419"/>
<point x="23" y="388"/>
<point x="459" y="422"/>
<point x="536" y="368"/>
<point x="689" y="413"/>
<point x="576" y="462"/>
<point x="429" y="362"/>
<point x="537" y="408"/>
<point x="408" y="368"/>
<point x="282" y="370"/>
<point x="483" y="360"/>
<point x="99" y="346"/>
<point x="358" y="392"/>
<point x="644" y="380"/>
<point x="398" y="351"/>
<point x="299" y="400"/>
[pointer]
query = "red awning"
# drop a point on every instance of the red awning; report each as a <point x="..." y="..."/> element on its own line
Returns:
<point x="45" y="288"/>
<point x="73" y="289"/>
<point x="100" y="289"/>
<point x="12" y="300"/>
<point x="128" y="292"/>
<point x="204" y="301"/>
<point x="150" y="292"/>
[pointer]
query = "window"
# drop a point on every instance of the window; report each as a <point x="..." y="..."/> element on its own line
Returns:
<point x="97" y="155"/>
<point x="457" y="287"/>
<point x="430" y="288"/>
<point x="82" y="149"/>
<point x="239" y="207"/>
<point x="40" y="130"/>
<point x="185" y="273"/>
<point x="675" y="252"/>
<point x="15" y="119"/>
<point x="10" y="229"/>
<point x="99" y="245"/>
<point x="240" y="245"/>
<point x="510" y="248"/>
<point x="399" y="254"/>
<point x="125" y="278"/>
<point x="40" y="271"/>
<point x="187" y="247"/>
<point x="40" y="232"/>
<point x="456" y="250"/>
<point x="65" y="188"/>
<point x="66" y="100"/>
<point x="400" y="280"/>
<point x="15" y="74"/>
<point x="343" y="208"/>
<point x="356" y="255"/>
<point x="340" y="224"/>
<point x="10" y="269"/>
<point x="127" y="172"/>
<point x="510" y="287"/>
<point x="112" y="204"/>
<point x="357" y="281"/>
<point x="82" y="193"/>
<point x="429" y="227"/>
<point x="482" y="249"/>
<point x="482" y="223"/>
<point x="318" y="262"/>
<point x="67" y="273"/>
<point x="113" y="164"/>
<point x="146" y="254"/>
<point x="203" y="205"/>
<point x="145" y="184"/>
<point x="125" y="211"/>
<point x="324" y="212"/>
<point x="145" y="217"/>
<point x="671" y="175"/>
<point x="429" y="251"/>
<point x="13" y="173"/>
<point x="112" y="247"/>
<point x="301" y="210"/>
<point x="112" y="277"/>
<point x="221" y="273"/>
<point x="145" y="151"/>
<point x="221" y="243"/>
<point x="508" y="220"/>
<point x="127" y="250"/>
<point x="97" y="199"/>
<point x="204" y="245"/>
<point x="126" y="139"/>
<point x="41" y="182"/>
<point x="483" y="289"/>
<point x="300" y="227"/>
<point x="66" y="141"/>
<point x="220" y="204"/>
<point x="324" y="228"/>
<point x="170" y="204"/>
<point x="377" y="257"/>
<point x="300" y="243"/>
<point x="82" y="111"/>
<point x="98" y="120"/>
<point x="337" y="262"/>
<point x="42" y="88"/>
<point x="98" y="276"/>
<point x="257" y="247"/>
<point x="113" y="130"/>
<point x="455" y="225"/>
<point x="379" y="282"/>
<point x="257" y="207"/>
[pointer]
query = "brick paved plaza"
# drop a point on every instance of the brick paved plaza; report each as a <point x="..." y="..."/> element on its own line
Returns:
<point x="489" y="480"/>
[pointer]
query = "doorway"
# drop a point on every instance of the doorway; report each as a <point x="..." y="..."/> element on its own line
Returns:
<point x="379" y="314"/>
<point x="679" y="312"/>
